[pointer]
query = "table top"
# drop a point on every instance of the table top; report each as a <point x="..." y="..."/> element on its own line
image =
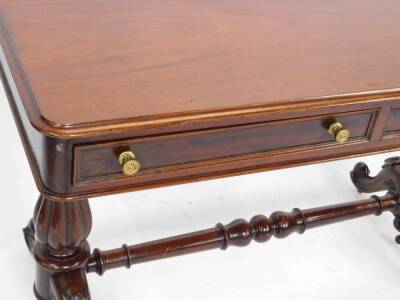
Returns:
<point x="81" y="63"/>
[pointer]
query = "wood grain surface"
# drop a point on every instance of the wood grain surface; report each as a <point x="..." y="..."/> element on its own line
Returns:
<point x="99" y="62"/>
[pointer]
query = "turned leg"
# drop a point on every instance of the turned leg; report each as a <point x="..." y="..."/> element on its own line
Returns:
<point x="56" y="236"/>
<point x="387" y="179"/>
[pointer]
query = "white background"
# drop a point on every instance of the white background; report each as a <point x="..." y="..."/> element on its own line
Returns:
<point x="355" y="259"/>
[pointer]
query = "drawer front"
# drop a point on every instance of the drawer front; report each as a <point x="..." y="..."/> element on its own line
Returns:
<point x="94" y="163"/>
<point x="393" y="123"/>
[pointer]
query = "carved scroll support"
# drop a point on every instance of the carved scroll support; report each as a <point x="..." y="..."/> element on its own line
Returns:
<point x="56" y="236"/>
<point x="388" y="179"/>
<point x="240" y="233"/>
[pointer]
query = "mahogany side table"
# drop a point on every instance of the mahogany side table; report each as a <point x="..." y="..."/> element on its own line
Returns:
<point x="123" y="95"/>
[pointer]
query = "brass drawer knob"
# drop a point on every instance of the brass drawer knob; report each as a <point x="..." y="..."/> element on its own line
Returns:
<point x="130" y="166"/>
<point x="341" y="134"/>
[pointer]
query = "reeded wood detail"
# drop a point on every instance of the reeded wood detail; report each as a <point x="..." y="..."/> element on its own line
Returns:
<point x="56" y="236"/>
<point x="240" y="233"/>
<point x="62" y="227"/>
<point x="387" y="179"/>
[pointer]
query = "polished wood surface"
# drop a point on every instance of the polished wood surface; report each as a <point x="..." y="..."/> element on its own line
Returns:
<point x="56" y="237"/>
<point x="96" y="63"/>
<point x="119" y="74"/>
<point x="241" y="232"/>
<point x="196" y="90"/>
<point x="54" y="164"/>
<point x="57" y="233"/>
<point x="96" y="163"/>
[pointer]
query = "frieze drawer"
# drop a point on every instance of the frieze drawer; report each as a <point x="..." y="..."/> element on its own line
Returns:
<point x="99" y="162"/>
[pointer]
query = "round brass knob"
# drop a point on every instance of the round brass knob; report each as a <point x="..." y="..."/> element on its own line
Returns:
<point x="341" y="134"/>
<point x="130" y="166"/>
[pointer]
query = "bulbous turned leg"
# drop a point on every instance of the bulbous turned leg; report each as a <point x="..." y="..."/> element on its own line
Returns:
<point x="387" y="179"/>
<point x="56" y="236"/>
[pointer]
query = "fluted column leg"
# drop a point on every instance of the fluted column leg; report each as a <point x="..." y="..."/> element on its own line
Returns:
<point x="56" y="236"/>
